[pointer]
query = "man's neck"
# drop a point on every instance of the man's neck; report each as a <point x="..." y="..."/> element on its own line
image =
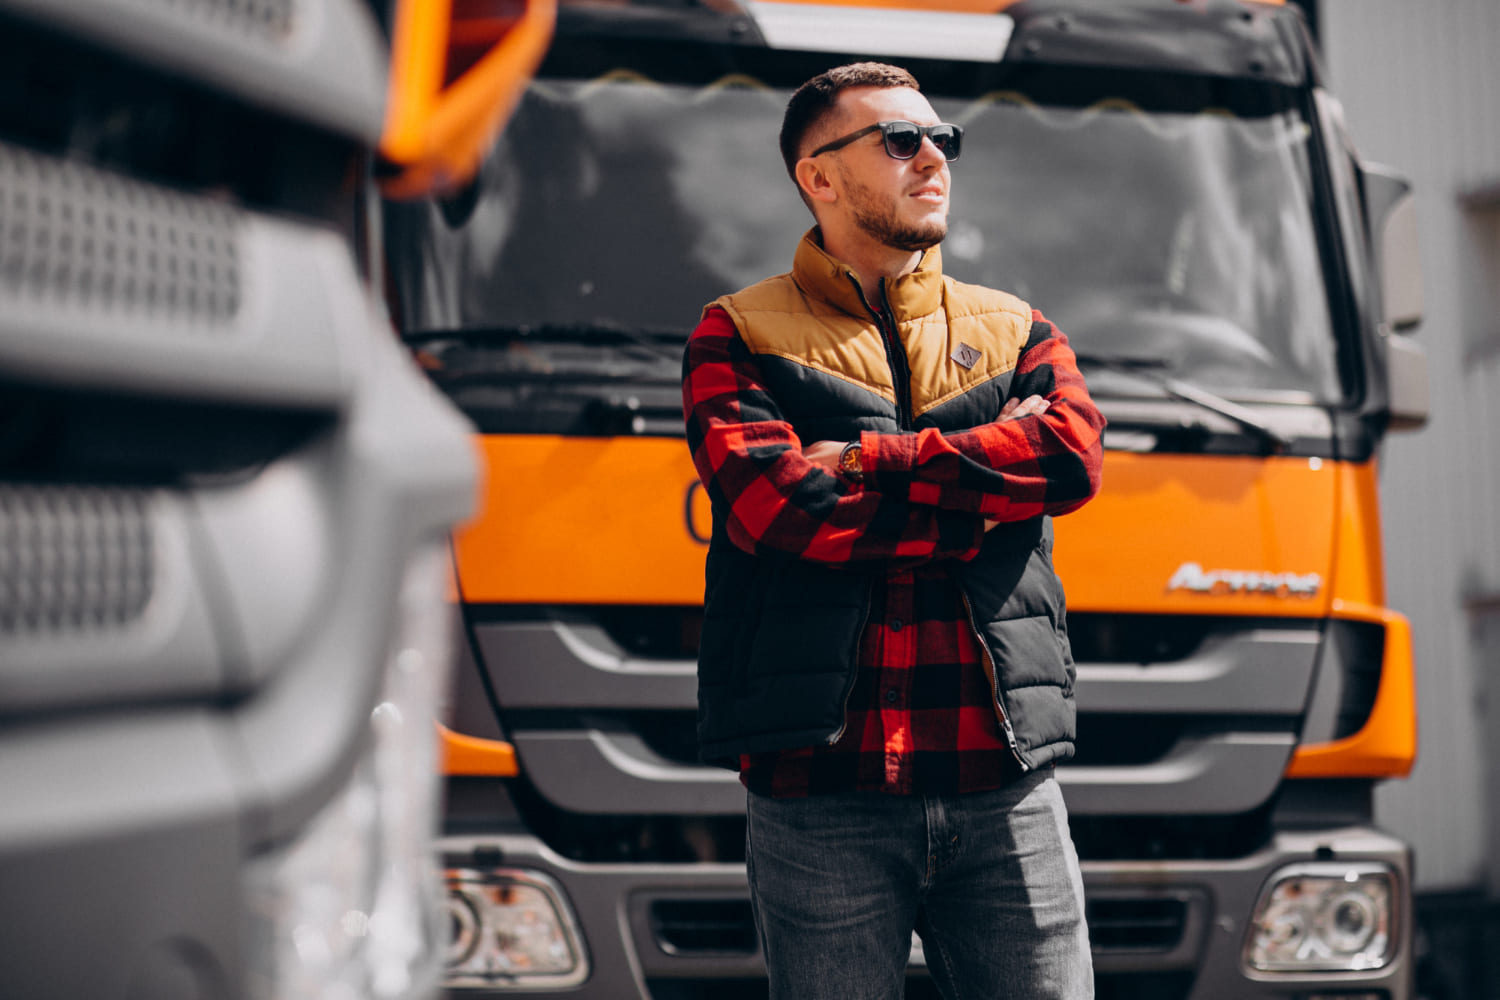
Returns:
<point x="871" y="262"/>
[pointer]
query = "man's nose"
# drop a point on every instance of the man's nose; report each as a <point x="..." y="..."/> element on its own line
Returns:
<point x="928" y="154"/>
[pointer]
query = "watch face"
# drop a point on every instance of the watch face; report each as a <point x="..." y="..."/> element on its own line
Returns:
<point x="849" y="460"/>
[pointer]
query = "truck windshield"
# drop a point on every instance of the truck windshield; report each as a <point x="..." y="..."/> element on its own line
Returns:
<point x="1183" y="237"/>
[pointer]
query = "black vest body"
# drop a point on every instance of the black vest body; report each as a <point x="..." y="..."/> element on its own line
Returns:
<point x="780" y="642"/>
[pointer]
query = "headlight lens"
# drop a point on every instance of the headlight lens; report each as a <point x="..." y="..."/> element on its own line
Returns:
<point x="511" y="928"/>
<point x="352" y="908"/>
<point x="1324" y="917"/>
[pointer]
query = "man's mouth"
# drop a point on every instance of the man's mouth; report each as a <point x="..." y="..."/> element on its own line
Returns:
<point x="930" y="192"/>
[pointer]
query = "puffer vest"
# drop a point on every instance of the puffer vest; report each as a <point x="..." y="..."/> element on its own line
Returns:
<point x="780" y="644"/>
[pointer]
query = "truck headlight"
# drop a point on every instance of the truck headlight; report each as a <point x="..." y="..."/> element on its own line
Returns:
<point x="511" y="928"/>
<point x="1323" y="917"/>
<point x="352" y="908"/>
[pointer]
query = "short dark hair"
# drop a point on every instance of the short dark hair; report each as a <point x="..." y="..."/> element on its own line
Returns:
<point x="816" y="98"/>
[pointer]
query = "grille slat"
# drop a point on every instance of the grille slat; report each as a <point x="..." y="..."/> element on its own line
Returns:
<point x="82" y="239"/>
<point x="270" y="19"/>
<point x="73" y="558"/>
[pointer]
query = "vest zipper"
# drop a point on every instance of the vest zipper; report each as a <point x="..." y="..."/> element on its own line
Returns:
<point x="994" y="675"/>
<point x="895" y="353"/>
<point x="859" y="640"/>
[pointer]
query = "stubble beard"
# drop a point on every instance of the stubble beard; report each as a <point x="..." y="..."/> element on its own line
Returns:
<point x="880" y="223"/>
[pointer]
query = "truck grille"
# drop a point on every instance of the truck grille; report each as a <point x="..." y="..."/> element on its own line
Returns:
<point x="1136" y="924"/>
<point x="672" y="632"/>
<point x="1188" y="721"/>
<point x="703" y="926"/>
<point x="73" y="557"/>
<point x="272" y="19"/>
<point x="691" y="929"/>
<point x="1156" y="838"/>
<point x="687" y="927"/>
<point x="111" y="248"/>
<point x="1107" y="986"/>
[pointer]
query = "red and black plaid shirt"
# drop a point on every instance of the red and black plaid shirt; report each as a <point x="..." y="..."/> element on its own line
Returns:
<point x="921" y="717"/>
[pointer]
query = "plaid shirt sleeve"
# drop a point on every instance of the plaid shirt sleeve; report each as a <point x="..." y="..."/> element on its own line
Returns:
<point x="1009" y="470"/>
<point x="752" y="466"/>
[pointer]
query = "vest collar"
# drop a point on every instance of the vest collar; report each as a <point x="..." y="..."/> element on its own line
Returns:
<point x="824" y="276"/>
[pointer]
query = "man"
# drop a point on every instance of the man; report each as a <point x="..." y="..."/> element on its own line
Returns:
<point x="884" y="654"/>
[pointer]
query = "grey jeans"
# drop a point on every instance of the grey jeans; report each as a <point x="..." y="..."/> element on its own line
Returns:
<point x="989" y="880"/>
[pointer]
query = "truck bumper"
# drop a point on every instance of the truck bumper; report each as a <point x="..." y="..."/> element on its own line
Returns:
<point x="1167" y="929"/>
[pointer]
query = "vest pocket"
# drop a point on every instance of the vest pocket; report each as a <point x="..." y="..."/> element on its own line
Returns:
<point x="1028" y="653"/>
<point x="809" y="621"/>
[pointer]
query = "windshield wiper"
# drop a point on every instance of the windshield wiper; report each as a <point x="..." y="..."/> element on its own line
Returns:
<point x="1152" y="371"/>
<point x="660" y="341"/>
<point x="480" y="374"/>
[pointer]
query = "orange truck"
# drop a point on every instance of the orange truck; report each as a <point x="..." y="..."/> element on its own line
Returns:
<point x="1172" y="183"/>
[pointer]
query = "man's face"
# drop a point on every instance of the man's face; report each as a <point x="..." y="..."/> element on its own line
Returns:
<point x="898" y="203"/>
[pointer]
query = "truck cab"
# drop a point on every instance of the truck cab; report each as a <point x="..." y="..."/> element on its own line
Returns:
<point x="1171" y="183"/>
<point x="225" y="497"/>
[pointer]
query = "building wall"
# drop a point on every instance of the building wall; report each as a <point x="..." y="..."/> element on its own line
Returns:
<point x="1420" y="84"/>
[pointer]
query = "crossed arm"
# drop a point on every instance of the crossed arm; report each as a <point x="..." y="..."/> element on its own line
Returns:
<point x="827" y="453"/>
<point x="923" y="496"/>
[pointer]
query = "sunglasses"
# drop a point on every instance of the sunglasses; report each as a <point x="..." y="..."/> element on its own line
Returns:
<point x="903" y="139"/>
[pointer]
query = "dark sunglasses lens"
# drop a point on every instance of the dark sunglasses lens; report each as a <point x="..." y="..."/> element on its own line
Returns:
<point x="948" y="140"/>
<point x="902" y="140"/>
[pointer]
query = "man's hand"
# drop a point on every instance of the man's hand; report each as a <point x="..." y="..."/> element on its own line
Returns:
<point x="1031" y="406"/>
<point x="824" y="453"/>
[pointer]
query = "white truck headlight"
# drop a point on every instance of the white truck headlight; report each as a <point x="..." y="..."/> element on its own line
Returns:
<point x="511" y="928"/>
<point x="1323" y="916"/>
<point x="352" y="909"/>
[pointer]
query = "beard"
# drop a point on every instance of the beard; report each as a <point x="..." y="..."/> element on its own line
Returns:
<point x="882" y="223"/>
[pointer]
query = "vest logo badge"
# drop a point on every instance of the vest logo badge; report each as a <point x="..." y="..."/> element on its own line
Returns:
<point x="965" y="355"/>
<point x="1190" y="576"/>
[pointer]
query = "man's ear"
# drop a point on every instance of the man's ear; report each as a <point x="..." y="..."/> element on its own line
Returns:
<point x="815" y="181"/>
